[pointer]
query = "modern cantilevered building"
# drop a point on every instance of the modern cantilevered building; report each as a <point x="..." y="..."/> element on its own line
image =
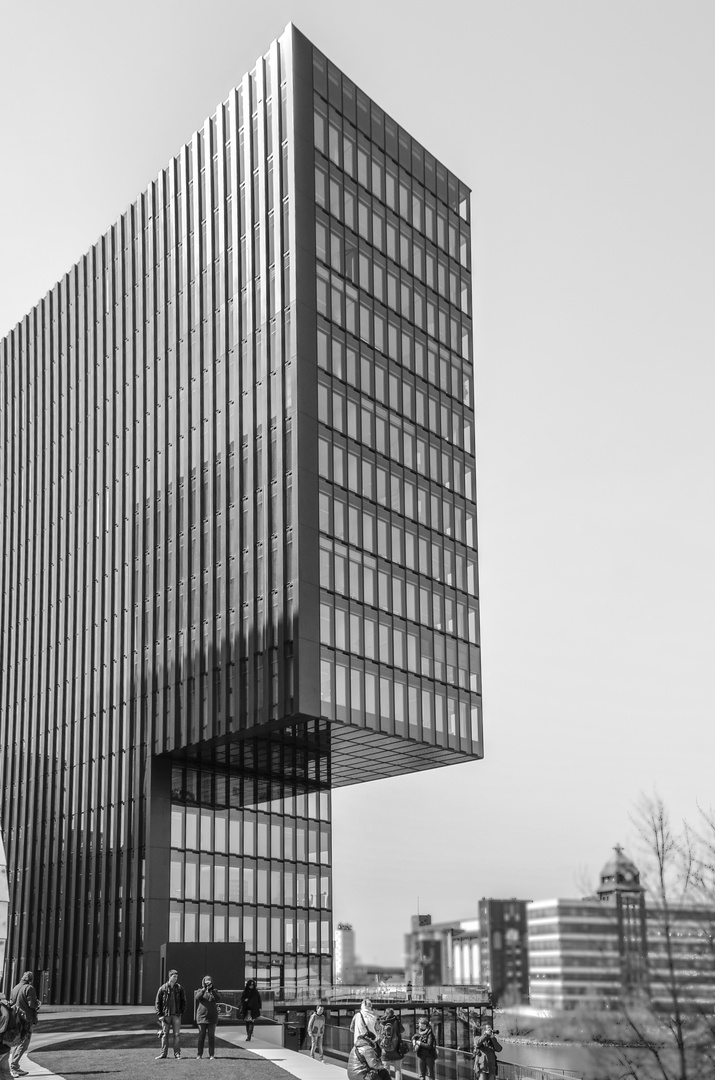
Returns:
<point x="238" y="561"/>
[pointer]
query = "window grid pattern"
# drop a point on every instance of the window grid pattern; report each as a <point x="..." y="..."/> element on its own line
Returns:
<point x="399" y="630"/>
<point x="154" y="546"/>
<point x="146" y="570"/>
<point x="261" y="875"/>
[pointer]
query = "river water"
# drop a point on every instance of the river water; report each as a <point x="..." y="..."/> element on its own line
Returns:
<point x="591" y="1062"/>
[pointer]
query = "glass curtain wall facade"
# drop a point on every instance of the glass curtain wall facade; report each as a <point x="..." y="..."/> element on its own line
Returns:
<point x="260" y="876"/>
<point x="234" y="504"/>
<point x="399" y="618"/>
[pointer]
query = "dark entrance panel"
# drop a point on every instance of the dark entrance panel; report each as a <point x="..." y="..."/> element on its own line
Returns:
<point x="293" y="1037"/>
<point x="224" y="961"/>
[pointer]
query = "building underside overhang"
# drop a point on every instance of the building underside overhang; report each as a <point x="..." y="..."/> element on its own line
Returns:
<point x="309" y="754"/>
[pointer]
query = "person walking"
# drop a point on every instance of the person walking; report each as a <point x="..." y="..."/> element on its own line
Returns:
<point x="170" y="1005"/>
<point x="316" y="1030"/>
<point x="424" y="1045"/>
<point x="24" y="998"/>
<point x="207" y="999"/>
<point x="250" y="1007"/>
<point x="486" y="1048"/>
<point x="364" y="1059"/>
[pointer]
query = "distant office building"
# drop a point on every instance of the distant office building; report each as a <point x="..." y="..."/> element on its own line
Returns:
<point x="427" y="955"/>
<point x="592" y="949"/>
<point x="693" y="956"/>
<point x="490" y="950"/>
<point x="238" y="558"/>
<point x="612" y="945"/>
<point x="381" y="976"/>
<point x="344" y="954"/>
<point x="573" y="953"/>
<point x="467" y="954"/>
<point x="504" y="949"/>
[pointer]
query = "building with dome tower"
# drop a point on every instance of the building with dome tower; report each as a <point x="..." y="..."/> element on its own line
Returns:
<point x="614" y="944"/>
<point x="621" y="889"/>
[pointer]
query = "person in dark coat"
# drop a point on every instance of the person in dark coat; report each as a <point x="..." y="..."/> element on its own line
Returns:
<point x="23" y="996"/>
<point x="207" y="999"/>
<point x="486" y="1048"/>
<point x="424" y="1045"/>
<point x="365" y="1058"/>
<point x="170" y="1005"/>
<point x="250" y="1006"/>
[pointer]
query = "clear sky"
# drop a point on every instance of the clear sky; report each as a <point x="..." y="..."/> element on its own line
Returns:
<point x="586" y="133"/>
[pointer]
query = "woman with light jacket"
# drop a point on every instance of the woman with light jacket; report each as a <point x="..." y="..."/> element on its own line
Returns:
<point x="364" y="1021"/>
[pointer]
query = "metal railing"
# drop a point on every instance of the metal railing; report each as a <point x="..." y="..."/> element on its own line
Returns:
<point x="231" y="1000"/>
<point x="451" y="1064"/>
<point x="508" y="1070"/>
<point x="392" y="992"/>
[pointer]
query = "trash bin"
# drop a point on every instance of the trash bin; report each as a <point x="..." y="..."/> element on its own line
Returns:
<point x="292" y="1037"/>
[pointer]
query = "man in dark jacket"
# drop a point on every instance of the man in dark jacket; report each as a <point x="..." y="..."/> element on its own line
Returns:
<point x="170" y="1004"/>
<point x="486" y="1048"/>
<point x="23" y="996"/>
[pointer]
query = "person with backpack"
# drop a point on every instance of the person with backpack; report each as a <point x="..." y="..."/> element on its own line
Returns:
<point x="424" y="1045"/>
<point x="250" y="1007"/>
<point x="316" y="1030"/>
<point x="389" y="1038"/>
<point x="486" y="1048"/>
<point x="12" y="1029"/>
<point x="24" y="999"/>
<point x="364" y="1061"/>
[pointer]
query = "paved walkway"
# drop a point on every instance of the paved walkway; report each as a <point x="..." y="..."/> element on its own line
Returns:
<point x="302" y="1066"/>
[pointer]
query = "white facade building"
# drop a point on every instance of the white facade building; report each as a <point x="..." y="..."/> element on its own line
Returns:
<point x="613" y="945"/>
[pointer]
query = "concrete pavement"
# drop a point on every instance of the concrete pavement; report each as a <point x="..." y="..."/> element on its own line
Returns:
<point x="302" y="1066"/>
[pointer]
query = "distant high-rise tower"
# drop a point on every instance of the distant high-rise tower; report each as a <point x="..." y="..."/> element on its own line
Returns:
<point x="238" y="558"/>
<point x="344" y="955"/>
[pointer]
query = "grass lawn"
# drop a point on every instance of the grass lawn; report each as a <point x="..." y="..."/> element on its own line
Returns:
<point x="108" y="1022"/>
<point x="131" y="1057"/>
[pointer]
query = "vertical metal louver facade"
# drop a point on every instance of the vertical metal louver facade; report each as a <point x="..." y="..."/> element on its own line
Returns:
<point x="167" y="745"/>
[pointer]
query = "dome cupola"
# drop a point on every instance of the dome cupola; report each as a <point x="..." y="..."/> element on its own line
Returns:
<point x="619" y="875"/>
